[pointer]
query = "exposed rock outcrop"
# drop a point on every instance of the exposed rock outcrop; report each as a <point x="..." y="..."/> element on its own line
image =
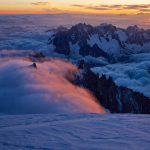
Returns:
<point x="114" y="98"/>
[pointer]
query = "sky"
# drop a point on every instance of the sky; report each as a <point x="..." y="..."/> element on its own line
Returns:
<point x="75" y="6"/>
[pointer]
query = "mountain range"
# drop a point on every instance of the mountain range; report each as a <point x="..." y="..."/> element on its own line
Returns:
<point x="104" y="40"/>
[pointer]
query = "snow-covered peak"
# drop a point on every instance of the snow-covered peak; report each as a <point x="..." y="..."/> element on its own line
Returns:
<point x="106" y="28"/>
<point x="81" y="27"/>
<point x="106" y="38"/>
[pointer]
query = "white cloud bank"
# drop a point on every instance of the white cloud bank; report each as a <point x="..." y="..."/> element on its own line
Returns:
<point x="134" y="75"/>
<point x="25" y="89"/>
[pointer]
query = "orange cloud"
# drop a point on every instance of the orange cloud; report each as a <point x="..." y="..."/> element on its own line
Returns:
<point x="126" y="8"/>
<point x="40" y="3"/>
<point x="53" y="10"/>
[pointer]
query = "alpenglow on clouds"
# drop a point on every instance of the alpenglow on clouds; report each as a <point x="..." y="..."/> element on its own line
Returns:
<point x="46" y="89"/>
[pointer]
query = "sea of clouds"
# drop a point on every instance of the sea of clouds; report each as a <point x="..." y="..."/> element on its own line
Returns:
<point x="26" y="89"/>
<point x="29" y="32"/>
<point x="135" y="74"/>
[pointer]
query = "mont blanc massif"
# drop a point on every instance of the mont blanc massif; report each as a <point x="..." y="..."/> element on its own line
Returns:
<point x="73" y="86"/>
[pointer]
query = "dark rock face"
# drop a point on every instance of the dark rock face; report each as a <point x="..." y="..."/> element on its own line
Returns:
<point x="38" y="55"/>
<point x="94" y="51"/>
<point x="33" y="66"/>
<point x="136" y="35"/>
<point x="114" y="98"/>
<point x="120" y="39"/>
<point x="61" y="42"/>
<point x="78" y="33"/>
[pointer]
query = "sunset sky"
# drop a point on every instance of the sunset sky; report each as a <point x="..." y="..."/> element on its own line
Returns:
<point x="74" y="6"/>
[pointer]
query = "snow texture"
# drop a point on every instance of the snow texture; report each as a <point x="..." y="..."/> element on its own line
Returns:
<point x="110" y="47"/>
<point x="74" y="131"/>
<point x="122" y="36"/>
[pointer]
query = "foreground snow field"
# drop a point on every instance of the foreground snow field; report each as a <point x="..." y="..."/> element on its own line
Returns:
<point x="74" y="131"/>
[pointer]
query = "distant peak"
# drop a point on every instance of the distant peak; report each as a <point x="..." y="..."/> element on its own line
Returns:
<point x="81" y="27"/>
<point x="134" y="27"/>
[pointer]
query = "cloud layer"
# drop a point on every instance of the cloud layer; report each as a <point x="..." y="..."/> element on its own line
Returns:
<point x="137" y="8"/>
<point x="40" y="3"/>
<point x="25" y="89"/>
<point x="134" y="75"/>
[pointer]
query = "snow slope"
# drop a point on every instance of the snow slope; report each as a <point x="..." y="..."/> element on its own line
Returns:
<point x="75" y="131"/>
